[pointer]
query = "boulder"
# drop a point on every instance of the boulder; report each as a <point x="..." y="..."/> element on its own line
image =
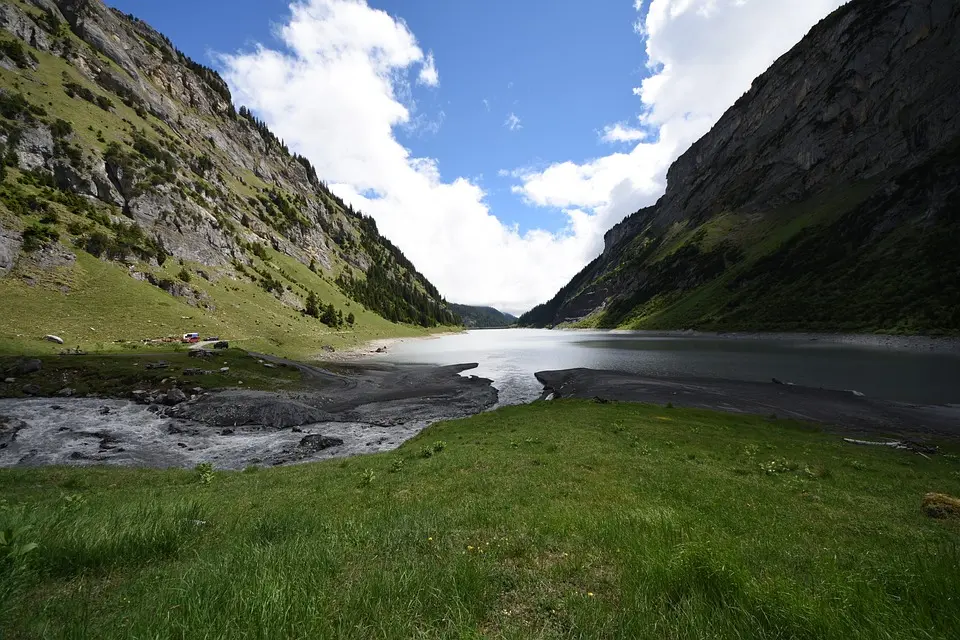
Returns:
<point x="319" y="442"/>
<point x="29" y="366"/>
<point x="199" y="353"/>
<point x="174" y="397"/>
<point x="66" y="392"/>
<point x="193" y="372"/>
<point x="52" y="338"/>
<point x="940" y="505"/>
<point x="160" y="364"/>
<point x="223" y="344"/>
<point x="31" y="390"/>
<point x="10" y="380"/>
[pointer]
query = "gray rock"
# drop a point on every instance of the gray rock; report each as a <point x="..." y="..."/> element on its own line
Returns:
<point x="319" y="442"/>
<point x="66" y="392"/>
<point x="10" y="243"/>
<point x="35" y="148"/>
<point x="31" y="390"/>
<point x="174" y="397"/>
<point x="29" y="366"/>
<point x="10" y="380"/>
<point x="52" y="338"/>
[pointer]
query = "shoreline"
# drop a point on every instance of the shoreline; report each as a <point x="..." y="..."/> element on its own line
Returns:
<point x="369" y="349"/>
<point x="916" y="343"/>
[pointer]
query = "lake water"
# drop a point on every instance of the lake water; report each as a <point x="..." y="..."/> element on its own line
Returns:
<point x="511" y="356"/>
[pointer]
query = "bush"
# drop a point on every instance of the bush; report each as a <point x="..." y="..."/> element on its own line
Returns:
<point x="184" y="275"/>
<point x="38" y="235"/>
<point x="14" y="50"/>
<point x="61" y="128"/>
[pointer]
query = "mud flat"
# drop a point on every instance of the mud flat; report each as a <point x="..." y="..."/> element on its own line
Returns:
<point x="843" y="410"/>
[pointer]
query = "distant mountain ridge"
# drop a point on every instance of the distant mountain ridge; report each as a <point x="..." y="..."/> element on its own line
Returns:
<point x="827" y="198"/>
<point x="483" y="317"/>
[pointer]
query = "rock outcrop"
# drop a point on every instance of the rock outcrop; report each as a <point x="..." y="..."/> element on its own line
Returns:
<point x="823" y="155"/>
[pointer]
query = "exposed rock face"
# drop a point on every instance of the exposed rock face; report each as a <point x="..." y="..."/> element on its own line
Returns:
<point x="867" y="98"/>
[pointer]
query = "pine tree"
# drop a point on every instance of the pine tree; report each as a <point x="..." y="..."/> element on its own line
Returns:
<point x="313" y="305"/>
<point x="339" y="317"/>
<point x="351" y="318"/>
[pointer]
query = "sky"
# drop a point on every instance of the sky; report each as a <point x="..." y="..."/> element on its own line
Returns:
<point x="494" y="142"/>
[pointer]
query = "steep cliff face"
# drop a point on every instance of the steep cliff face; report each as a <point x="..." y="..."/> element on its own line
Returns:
<point x="117" y="145"/>
<point x="835" y="136"/>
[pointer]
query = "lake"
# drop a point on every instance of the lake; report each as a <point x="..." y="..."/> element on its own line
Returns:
<point x="510" y="357"/>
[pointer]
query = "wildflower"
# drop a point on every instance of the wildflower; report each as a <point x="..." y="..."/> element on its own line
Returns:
<point x="590" y="593"/>
<point x="429" y="539"/>
<point x="469" y="548"/>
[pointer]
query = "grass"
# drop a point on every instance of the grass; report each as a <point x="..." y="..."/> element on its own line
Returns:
<point x="116" y="375"/>
<point x="93" y="304"/>
<point x="565" y="519"/>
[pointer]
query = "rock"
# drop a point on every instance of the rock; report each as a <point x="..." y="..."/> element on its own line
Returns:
<point x="139" y="395"/>
<point x="160" y="364"/>
<point x="31" y="390"/>
<point x="776" y="381"/>
<point x="10" y="380"/>
<point x="319" y="442"/>
<point x="56" y="407"/>
<point x="198" y="390"/>
<point x="940" y="505"/>
<point x="227" y="432"/>
<point x="269" y="365"/>
<point x="599" y="400"/>
<point x="224" y="369"/>
<point x="223" y="344"/>
<point x="381" y="350"/>
<point x="29" y="366"/>
<point x="182" y="445"/>
<point x="193" y="372"/>
<point x="10" y="243"/>
<point x="104" y="411"/>
<point x="200" y="353"/>
<point x="174" y="397"/>
<point x="66" y="392"/>
<point x="296" y="430"/>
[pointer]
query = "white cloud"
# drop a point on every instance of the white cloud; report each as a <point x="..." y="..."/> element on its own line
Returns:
<point x="339" y="88"/>
<point x="620" y="132"/>
<point x="486" y="104"/>
<point x="512" y="122"/>
<point x="428" y="72"/>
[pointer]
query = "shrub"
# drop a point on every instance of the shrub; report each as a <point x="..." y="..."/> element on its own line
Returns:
<point x="38" y="235"/>
<point x="14" y="50"/>
<point x="205" y="473"/>
<point x="61" y="128"/>
<point x="184" y="275"/>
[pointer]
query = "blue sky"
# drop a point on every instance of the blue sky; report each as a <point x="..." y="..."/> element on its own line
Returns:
<point x="498" y="202"/>
<point x="563" y="72"/>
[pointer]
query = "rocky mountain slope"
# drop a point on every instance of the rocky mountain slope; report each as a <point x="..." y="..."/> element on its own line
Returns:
<point x="482" y="317"/>
<point x="136" y="196"/>
<point x="827" y="198"/>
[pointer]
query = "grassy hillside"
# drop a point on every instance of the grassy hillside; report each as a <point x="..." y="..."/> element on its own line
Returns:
<point x="139" y="203"/>
<point x="93" y="304"/>
<point x="566" y="519"/>
<point x="851" y="259"/>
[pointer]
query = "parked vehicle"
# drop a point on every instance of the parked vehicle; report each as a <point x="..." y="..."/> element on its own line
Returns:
<point x="191" y="338"/>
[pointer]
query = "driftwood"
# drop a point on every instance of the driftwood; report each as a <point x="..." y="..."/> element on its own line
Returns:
<point x="906" y="445"/>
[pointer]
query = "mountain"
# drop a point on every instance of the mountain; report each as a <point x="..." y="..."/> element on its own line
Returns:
<point x="135" y="197"/>
<point x="482" y="317"/>
<point x="827" y="198"/>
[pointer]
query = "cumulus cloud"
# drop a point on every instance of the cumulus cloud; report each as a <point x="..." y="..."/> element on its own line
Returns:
<point x="620" y="132"/>
<point x="512" y="122"/>
<point x="339" y="88"/>
<point x="428" y="72"/>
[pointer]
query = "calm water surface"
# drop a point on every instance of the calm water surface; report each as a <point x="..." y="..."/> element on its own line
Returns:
<point x="510" y="357"/>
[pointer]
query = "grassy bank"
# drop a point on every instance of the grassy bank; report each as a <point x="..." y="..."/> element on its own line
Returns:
<point x="566" y="519"/>
<point x="118" y="374"/>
